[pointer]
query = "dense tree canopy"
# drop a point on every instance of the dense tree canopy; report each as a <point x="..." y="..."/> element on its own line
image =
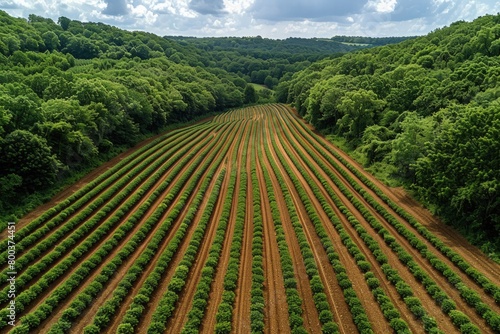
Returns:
<point x="71" y="91"/>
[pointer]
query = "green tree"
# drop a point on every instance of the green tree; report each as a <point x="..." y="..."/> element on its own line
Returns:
<point x="359" y="109"/>
<point x="461" y="171"/>
<point x="250" y="94"/>
<point x="28" y="156"/>
<point x="64" y="22"/>
<point x="51" y="41"/>
<point x="410" y="144"/>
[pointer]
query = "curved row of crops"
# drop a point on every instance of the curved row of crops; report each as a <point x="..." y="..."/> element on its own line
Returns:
<point x="249" y="222"/>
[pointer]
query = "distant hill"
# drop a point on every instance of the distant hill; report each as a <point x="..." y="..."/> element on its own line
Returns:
<point x="369" y="41"/>
<point x="266" y="61"/>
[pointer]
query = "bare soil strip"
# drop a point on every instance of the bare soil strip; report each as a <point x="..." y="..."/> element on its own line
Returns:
<point x="276" y="313"/>
<point x="374" y="313"/>
<point x="389" y="289"/>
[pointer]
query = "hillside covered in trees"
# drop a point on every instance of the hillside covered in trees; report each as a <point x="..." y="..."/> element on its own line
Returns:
<point x="426" y="110"/>
<point x="73" y="94"/>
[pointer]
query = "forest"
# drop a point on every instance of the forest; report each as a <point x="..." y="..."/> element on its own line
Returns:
<point x="73" y="94"/>
<point x="422" y="112"/>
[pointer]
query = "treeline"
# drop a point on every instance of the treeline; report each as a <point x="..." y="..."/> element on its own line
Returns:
<point x="369" y="41"/>
<point x="425" y="111"/>
<point x="261" y="60"/>
<point x="72" y="92"/>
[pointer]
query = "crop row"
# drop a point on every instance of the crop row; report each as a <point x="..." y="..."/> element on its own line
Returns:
<point x="80" y="233"/>
<point x="202" y="292"/>
<point x="65" y="208"/>
<point x="106" y="312"/>
<point x="257" y="290"/>
<point x="357" y="310"/>
<point x="224" y="316"/>
<point x="317" y="287"/>
<point x="405" y="291"/>
<point x="131" y="319"/>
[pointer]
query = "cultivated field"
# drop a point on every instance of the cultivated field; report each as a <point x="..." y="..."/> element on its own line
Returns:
<point x="246" y="223"/>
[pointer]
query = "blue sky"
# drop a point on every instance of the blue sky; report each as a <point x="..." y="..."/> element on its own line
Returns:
<point x="267" y="18"/>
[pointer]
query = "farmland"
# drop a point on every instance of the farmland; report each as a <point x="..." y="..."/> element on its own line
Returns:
<point x="248" y="222"/>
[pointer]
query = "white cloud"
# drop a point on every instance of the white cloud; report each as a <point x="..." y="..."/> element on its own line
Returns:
<point x="268" y="18"/>
<point x="382" y="6"/>
<point x="237" y="6"/>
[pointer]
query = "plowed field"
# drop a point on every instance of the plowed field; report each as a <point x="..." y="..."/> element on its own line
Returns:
<point x="248" y="222"/>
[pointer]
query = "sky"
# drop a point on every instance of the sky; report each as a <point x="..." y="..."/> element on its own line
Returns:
<point x="276" y="19"/>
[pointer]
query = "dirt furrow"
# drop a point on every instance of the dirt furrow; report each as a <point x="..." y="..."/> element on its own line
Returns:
<point x="276" y="311"/>
<point x="310" y="313"/>
<point x="340" y="309"/>
<point x="164" y="156"/>
<point x="101" y="299"/>
<point x="241" y="310"/>
<point x="374" y="313"/>
<point x="446" y="233"/>
<point x="178" y="319"/>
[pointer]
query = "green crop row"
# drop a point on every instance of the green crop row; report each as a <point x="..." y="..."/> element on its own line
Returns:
<point x="257" y="292"/>
<point x="167" y="302"/>
<point x="202" y="292"/>
<point x="317" y="287"/>
<point x="358" y="312"/>
<point x="69" y="242"/>
<point x="91" y="189"/>
<point x="45" y="309"/>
